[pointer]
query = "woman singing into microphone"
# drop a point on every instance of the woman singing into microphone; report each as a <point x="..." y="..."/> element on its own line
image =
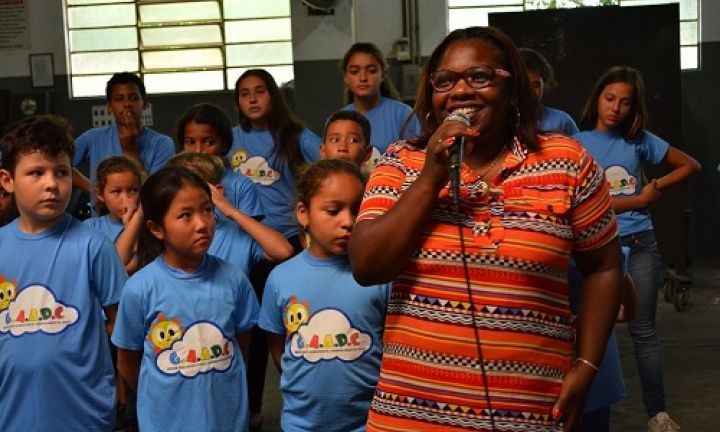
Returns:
<point x="478" y="333"/>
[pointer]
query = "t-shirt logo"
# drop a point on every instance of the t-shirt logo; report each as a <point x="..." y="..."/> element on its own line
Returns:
<point x="8" y="292"/>
<point x="296" y="314"/>
<point x="328" y="335"/>
<point x="621" y="182"/>
<point x="33" y="309"/>
<point x="255" y="168"/>
<point x="201" y="348"/>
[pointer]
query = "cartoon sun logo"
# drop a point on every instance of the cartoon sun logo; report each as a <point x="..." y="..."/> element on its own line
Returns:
<point x="238" y="158"/>
<point x="8" y="291"/>
<point x="164" y="332"/>
<point x="296" y="314"/>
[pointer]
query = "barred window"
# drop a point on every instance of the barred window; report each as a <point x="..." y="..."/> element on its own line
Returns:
<point x="465" y="13"/>
<point x="176" y="46"/>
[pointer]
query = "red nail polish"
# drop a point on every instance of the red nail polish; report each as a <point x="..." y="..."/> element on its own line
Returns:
<point x="556" y="413"/>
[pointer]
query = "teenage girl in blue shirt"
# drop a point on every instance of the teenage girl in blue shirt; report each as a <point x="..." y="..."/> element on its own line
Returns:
<point x="369" y="91"/>
<point x="270" y="146"/>
<point x="613" y="124"/>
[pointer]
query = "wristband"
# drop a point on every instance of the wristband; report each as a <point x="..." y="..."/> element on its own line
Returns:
<point x="588" y="363"/>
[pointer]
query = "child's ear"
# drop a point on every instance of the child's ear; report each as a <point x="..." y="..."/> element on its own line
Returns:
<point x="99" y="195"/>
<point x="302" y="214"/>
<point x="322" y="151"/>
<point x="6" y="181"/>
<point x="156" y="230"/>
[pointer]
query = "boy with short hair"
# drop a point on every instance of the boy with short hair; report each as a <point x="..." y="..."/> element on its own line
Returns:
<point x="58" y="276"/>
<point x="126" y="99"/>
<point x="347" y="136"/>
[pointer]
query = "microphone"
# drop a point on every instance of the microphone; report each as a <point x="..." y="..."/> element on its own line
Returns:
<point x="456" y="152"/>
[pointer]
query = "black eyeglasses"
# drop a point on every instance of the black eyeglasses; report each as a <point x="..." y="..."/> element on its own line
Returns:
<point x="476" y="77"/>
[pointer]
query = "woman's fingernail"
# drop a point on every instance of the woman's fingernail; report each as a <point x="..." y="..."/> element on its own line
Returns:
<point x="556" y="413"/>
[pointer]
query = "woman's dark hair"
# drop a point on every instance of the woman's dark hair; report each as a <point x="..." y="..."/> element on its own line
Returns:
<point x="113" y="165"/>
<point x="353" y="116"/>
<point x="634" y="124"/>
<point x="534" y="61"/>
<point x="156" y="195"/>
<point x="522" y="119"/>
<point x="386" y="87"/>
<point x="283" y="125"/>
<point x="316" y="173"/>
<point x="209" y="114"/>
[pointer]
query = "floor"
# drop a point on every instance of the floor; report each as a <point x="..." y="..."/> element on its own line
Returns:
<point x="692" y="362"/>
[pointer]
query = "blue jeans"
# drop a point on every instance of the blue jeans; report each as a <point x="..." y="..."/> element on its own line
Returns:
<point x="646" y="271"/>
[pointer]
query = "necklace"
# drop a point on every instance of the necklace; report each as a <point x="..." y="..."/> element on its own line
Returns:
<point x="492" y="164"/>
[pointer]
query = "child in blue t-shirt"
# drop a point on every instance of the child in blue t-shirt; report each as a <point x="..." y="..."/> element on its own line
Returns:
<point x="369" y="91"/>
<point x="347" y="136"/>
<point x="323" y="328"/>
<point x="239" y="238"/>
<point x="126" y="99"/>
<point x="57" y="278"/>
<point x="184" y="319"/>
<point x="613" y="123"/>
<point x="204" y="128"/>
<point x="542" y="80"/>
<point x="117" y="189"/>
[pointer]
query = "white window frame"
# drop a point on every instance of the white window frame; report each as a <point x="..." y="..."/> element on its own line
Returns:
<point x="282" y="68"/>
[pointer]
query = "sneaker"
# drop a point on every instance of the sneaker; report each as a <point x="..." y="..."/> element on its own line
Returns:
<point x="661" y="422"/>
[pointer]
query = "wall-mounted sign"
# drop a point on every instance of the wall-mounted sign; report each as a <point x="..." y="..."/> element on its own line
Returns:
<point x="14" y="25"/>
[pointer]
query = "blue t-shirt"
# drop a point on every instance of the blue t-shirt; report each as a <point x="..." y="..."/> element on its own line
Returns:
<point x="333" y="347"/>
<point x="192" y="374"/>
<point x="232" y="244"/>
<point x="250" y="155"/>
<point x="55" y="367"/>
<point x="111" y="228"/>
<point x="240" y="191"/>
<point x="622" y="161"/>
<point x="100" y="143"/>
<point x="386" y="121"/>
<point x="557" y="121"/>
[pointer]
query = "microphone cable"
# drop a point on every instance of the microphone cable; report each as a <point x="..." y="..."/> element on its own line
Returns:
<point x="476" y="332"/>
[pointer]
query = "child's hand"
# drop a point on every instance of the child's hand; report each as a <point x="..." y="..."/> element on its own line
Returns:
<point x="128" y="132"/>
<point x="131" y="211"/>
<point x="218" y="198"/>
<point x="650" y="193"/>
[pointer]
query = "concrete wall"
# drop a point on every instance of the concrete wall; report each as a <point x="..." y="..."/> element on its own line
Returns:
<point x="319" y="42"/>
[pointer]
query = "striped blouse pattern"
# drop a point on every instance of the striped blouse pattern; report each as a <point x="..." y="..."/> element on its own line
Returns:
<point x="519" y="232"/>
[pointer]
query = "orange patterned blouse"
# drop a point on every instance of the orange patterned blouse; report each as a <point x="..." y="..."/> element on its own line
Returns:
<point x="519" y="233"/>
